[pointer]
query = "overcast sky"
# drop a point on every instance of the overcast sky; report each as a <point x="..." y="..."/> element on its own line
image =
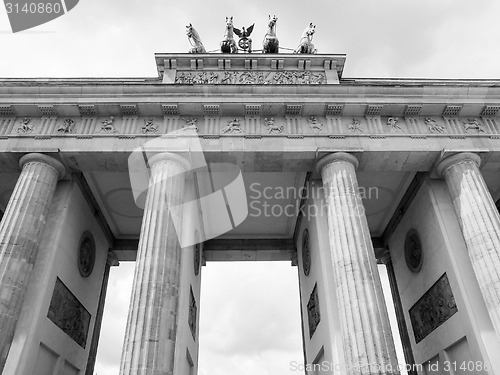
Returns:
<point x="382" y="38"/>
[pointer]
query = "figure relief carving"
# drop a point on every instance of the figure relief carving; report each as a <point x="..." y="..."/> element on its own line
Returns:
<point x="315" y="126"/>
<point x="392" y="123"/>
<point x="107" y="125"/>
<point x="473" y="124"/>
<point x="355" y="126"/>
<point x="313" y="312"/>
<point x="149" y="126"/>
<point x="232" y="126"/>
<point x="68" y="126"/>
<point x="272" y="127"/>
<point x="25" y="126"/>
<point x="435" y="307"/>
<point x="193" y="312"/>
<point x="433" y="126"/>
<point x="228" y="44"/>
<point x="271" y="42"/>
<point x="305" y="44"/>
<point x="195" y="40"/>
<point x="251" y="77"/>
<point x="190" y="124"/>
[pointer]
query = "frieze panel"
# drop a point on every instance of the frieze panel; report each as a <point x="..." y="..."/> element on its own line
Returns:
<point x="291" y="126"/>
<point x="193" y="313"/>
<point x="302" y="77"/>
<point x="313" y="313"/>
<point x="66" y="312"/>
<point x="435" y="307"/>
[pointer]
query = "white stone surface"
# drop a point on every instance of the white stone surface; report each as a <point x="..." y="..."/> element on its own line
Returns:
<point x="150" y="338"/>
<point x="480" y="223"/>
<point x="366" y="333"/>
<point x="20" y="231"/>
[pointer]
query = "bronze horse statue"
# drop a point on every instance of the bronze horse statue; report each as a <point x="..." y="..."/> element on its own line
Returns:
<point x="195" y="40"/>
<point x="306" y="45"/>
<point x="228" y="44"/>
<point x="271" y="43"/>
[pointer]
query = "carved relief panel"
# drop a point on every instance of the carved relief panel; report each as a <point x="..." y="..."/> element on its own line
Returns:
<point x="67" y="313"/>
<point x="434" y="308"/>
<point x="313" y="313"/>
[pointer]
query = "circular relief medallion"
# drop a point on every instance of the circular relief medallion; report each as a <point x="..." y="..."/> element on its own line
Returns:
<point x="86" y="254"/>
<point x="306" y="253"/>
<point x="197" y="254"/>
<point x="413" y="251"/>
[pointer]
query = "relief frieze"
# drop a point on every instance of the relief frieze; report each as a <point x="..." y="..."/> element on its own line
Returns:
<point x="125" y="127"/>
<point x="302" y="77"/>
<point x="434" y="308"/>
<point x="67" y="313"/>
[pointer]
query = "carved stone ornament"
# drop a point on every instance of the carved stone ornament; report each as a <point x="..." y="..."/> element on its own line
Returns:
<point x="67" y="313"/>
<point x="107" y="125"/>
<point x="315" y="126"/>
<point x="433" y="126"/>
<point x="25" y="126"/>
<point x="233" y="126"/>
<point x="68" y="126"/>
<point x="193" y="313"/>
<point x="473" y="124"/>
<point x="272" y="127"/>
<point x="304" y="77"/>
<point x="435" y="307"/>
<point x="313" y="313"/>
<point x="392" y="123"/>
<point x="149" y="126"/>
<point x="190" y="124"/>
<point x="306" y="253"/>
<point x="355" y="126"/>
<point x="413" y="251"/>
<point x="86" y="254"/>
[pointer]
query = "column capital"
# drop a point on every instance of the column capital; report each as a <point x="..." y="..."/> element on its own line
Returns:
<point x="335" y="158"/>
<point x="169" y="156"/>
<point x="36" y="157"/>
<point x="462" y="157"/>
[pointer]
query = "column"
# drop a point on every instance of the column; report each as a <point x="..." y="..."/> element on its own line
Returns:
<point x="111" y="261"/>
<point x="20" y="233"/>
<point x="151" y="327"/>
<point x="366" y="334"/>
<point x="480" y="224"/>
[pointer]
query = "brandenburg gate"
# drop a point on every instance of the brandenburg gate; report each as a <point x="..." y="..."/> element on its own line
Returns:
<point x="251" y="156"/>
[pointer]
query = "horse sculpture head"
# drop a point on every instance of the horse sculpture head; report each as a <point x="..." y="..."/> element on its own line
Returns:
<point x="309" y="31"/>
<point x="272" y="21"/>
<point x="229" y="23"/>
<point x="189" y="30"/>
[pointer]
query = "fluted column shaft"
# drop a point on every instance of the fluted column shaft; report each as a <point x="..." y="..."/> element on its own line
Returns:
<point x="366" y="335"/>
<point x="20" y="233"/>
<point x="149" y="346"/>
<point x="480" y="224"/>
